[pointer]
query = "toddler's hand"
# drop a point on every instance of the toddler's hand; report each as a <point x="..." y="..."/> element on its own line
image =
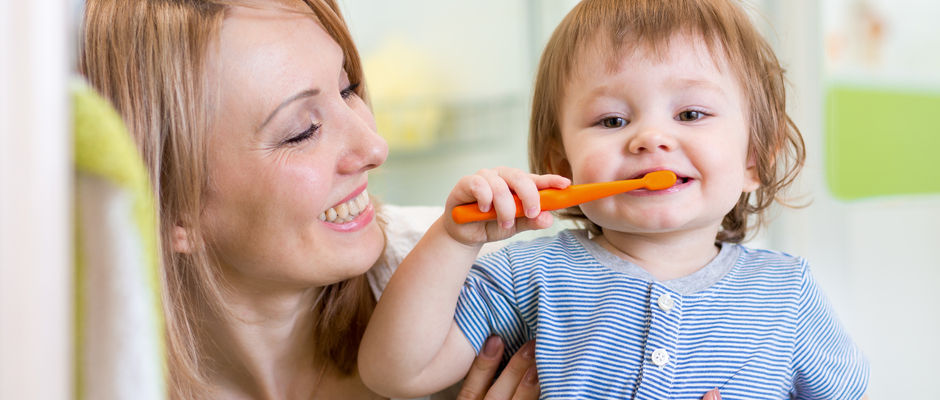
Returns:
<point x="493" y="188"/>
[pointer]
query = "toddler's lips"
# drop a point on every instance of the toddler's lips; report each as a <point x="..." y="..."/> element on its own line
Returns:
<point x="681" y="183"/>
<point x="680" y="179"/>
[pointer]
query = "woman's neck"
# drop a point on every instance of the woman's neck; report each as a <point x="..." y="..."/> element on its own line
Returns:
<point x="264" y="347"/>
<point x="666" y="256"/>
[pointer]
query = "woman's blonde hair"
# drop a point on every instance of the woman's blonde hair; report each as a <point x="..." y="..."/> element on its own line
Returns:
<point x="621" y="26"/>
<point x="148" y="57"/>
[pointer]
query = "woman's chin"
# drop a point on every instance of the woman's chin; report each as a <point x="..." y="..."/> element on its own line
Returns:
<point x="361" y="256"/>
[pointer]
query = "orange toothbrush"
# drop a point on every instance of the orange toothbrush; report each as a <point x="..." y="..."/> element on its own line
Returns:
<point x="556" y="199"/>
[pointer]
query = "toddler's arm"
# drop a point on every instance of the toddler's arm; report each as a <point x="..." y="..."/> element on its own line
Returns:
<point x="412" y="346"/>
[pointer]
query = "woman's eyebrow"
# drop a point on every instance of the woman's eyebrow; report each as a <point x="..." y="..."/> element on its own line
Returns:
<point x="302" y="95"/>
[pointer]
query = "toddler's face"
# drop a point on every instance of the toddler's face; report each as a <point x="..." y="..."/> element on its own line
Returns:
<point x="679" y="113"/>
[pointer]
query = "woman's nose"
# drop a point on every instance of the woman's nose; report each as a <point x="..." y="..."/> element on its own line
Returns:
<point x="651" y="139"/>
<point x="365" y="149"/>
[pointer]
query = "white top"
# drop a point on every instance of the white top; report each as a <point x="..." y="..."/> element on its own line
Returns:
<point x="404" y="227"/>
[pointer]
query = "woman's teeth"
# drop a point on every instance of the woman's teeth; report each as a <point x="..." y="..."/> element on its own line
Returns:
<point x="347" y="211"/>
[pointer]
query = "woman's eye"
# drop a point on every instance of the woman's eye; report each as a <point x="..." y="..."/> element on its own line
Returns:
<point x="614" y="122"/>
<point x="690" y="115"/>
<point x="311" y="132"/>
<point x="350" y="91"/>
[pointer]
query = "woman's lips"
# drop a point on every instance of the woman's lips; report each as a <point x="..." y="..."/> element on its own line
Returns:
<point x="363" y="219"/>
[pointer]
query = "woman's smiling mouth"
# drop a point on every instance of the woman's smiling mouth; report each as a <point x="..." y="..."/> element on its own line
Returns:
<point x="347" y="211"/>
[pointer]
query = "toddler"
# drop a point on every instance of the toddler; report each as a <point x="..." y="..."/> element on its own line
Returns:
<point x="655" y="299"/>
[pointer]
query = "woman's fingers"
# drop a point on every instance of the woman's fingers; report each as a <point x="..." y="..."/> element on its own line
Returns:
<point x="513" y="379"/>
<point x="713" y="394"/>
<point x="529" y="389"/>
<point x="478" y="380"/>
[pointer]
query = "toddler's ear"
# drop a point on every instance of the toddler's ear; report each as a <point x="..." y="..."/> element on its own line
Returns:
<point x="751" y="175"/>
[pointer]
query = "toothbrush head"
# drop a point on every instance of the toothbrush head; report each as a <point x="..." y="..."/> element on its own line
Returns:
<point x="659" y="180"/>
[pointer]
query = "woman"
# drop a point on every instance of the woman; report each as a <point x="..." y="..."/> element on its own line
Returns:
<point x="254" y="123"/>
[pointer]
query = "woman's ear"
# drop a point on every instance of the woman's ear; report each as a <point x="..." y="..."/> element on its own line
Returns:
<point x="182" y="243"/>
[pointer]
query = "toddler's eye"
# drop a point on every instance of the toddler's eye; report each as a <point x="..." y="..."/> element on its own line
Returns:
<point x="614" y="122"/>
<point x="690" y="115"/>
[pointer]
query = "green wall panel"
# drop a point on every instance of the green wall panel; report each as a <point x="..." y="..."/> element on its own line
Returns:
<point x="882" y="142"/>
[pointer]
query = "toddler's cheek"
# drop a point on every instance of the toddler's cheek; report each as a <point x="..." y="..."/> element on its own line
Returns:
<point x="591" y="172"/>
<point x="602" y="212"/>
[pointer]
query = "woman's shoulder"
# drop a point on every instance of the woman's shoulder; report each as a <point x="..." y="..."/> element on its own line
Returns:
<point x="403" y="228"/>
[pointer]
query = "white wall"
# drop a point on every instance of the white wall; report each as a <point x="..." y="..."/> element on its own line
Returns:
<point x="35" y="201"/>
<point x="878" y="260"/>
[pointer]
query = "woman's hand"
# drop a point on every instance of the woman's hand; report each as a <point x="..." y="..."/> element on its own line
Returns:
<point x="493" y="189"/>
<point x="518" y="381"/>
<point x="712" y="395"/>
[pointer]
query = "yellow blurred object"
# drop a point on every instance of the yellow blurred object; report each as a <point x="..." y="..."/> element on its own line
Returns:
<point x="407" y="92"/>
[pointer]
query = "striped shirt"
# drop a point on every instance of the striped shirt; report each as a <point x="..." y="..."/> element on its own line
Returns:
<point x="751" y="322"/>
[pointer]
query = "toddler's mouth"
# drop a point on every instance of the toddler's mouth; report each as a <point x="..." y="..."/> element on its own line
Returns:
<point x="680" y="179"/>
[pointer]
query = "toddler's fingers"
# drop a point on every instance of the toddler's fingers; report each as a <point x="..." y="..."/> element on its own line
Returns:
<point x="473" y="188"/>
<point x="503" y="202"/>
<point x="550" y="181"/>
<point x="541" y="221"/>
<point x="525" y="188"/>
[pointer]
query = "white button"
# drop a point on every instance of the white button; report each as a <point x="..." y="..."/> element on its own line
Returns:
<point x="660" y="357"/>
<point x="665" y="302"/>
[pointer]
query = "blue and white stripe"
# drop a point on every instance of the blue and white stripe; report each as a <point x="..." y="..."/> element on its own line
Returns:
<point x="762" y="331"/>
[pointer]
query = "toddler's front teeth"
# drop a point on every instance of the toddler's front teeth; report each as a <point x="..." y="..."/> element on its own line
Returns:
<point x="347" y="211"/>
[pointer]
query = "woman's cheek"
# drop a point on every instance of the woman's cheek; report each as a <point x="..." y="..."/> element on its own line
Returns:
<point x="309" y="186"/>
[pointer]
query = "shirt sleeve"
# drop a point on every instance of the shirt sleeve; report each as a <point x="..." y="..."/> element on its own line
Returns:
<point x="488" y="305"/>
<point x="827" y="364"/>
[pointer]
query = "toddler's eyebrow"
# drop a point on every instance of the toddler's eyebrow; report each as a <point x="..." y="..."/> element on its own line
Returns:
<point x="696" y="84"/>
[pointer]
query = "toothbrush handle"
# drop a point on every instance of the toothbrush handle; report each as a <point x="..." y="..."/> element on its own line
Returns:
<point x="556" y="199"/>
<point x="551" y="199"/>
<point x="465" y="213"/>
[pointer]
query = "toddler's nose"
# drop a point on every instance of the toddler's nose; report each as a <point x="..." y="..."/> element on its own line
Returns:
<point x="651" y="140"/>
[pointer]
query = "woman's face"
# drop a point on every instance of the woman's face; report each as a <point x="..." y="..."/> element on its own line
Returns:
<point x="290" y="144"/>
